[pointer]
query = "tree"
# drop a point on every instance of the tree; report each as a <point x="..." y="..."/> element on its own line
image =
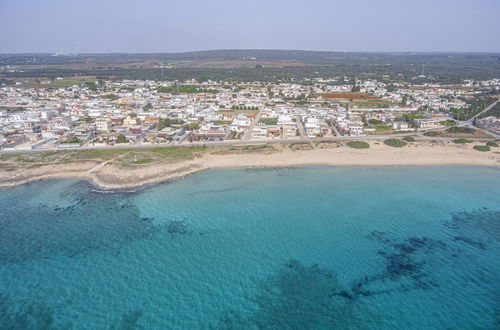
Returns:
<point x="404" y="101"/>
<point x="148" y="106"/>
<point x="165" y="122"/>
<point x="191" y="126"/>
<point x="121" y="139"/>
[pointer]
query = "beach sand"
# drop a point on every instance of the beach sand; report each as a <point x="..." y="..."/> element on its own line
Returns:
<point x="112" y="175"/>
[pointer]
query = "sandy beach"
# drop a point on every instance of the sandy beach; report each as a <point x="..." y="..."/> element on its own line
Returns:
<point x="111" y="175"/>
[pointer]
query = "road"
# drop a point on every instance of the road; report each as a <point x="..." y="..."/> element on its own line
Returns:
<point x="240" y="142"/>
<point x="248" y="133"/>
<point x="300" y="127"/>
<point x="471" y="120"/>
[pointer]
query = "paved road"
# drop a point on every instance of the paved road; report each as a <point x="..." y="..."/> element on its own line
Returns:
<point x="470" y="122"/>
<point x="248" y="133"/>
<point x="300" y="126"/>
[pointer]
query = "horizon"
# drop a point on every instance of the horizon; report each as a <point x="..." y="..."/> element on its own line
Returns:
<point x="153" y="26"/>
<point x="394" y="52"/>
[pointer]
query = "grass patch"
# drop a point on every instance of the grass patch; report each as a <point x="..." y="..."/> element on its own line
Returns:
<point x="327" y="144"/>
<point x="178" y="153"/>
<point x="492" y="144"/>
<point x="101" y="154"/>
<point x="396" y="143"/>
<point x="461" y="130"/>
<point x="269" y="121"/>
<point x="258" y="148"/>
<point x="481" y="148"/>
<point x="301" y="146"/>
<point x="249" y="147"/>
<point x="358" y="144"/>
<point x="140" y="161"/>
<point x="461" y="141"/>
<point x="448" y="122"/>
<point x="409" y="139"/>
<point x="382" y="128"/>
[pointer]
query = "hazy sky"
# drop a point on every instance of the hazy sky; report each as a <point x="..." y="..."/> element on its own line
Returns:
<point x="172" y="26"/>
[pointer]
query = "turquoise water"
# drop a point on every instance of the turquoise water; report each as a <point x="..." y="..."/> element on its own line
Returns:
<point x="294" y="248"/>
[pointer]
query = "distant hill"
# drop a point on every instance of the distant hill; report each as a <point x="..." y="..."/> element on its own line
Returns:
<point x="310" y="57"/>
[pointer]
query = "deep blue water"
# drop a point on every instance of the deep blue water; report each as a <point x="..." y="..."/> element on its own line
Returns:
<point x="295" y="248"/>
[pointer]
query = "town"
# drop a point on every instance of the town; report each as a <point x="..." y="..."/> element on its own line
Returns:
<point x="97" y="113"/>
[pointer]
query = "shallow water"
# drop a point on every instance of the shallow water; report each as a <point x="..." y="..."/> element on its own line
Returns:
<point x="314" y="247"/>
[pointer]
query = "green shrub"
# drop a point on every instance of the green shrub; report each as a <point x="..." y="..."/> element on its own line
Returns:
<point x="374" y="122"/>
<point x="358" y="144"/>
<point x="461" y="141"/>
<point x="409" y="139"/>
<point x="492" y="144"/>
<point x="121" y="139"/>
<point x="396" y="143"/>
<point x="481" y="148"/>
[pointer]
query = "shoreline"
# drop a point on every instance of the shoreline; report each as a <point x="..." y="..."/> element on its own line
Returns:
<point x="110" y="177"/>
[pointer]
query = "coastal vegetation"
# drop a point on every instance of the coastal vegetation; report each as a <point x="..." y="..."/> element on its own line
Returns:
<point x="396" y="143"/>
<point x="178" y="153"/>
<point x="301" y="146"/>
<point x="328" y="144"/>
<point x="461" y="141"/>
<point x="409" y="139"/>
<point x="243" y="149"/>
<point x="481" y="148"/>
<point x="461" y="130"/>
<point x="358" y="144"/>
<point x="141" y="161"/>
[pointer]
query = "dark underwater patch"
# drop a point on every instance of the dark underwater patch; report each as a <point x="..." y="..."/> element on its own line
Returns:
<point x="476" y="243"/>
<point x="128" y="321"/>
<point x="14" y="315"/>
<point x="402" y="259"/>
<point x="298" y="297"/>
<point x="178" y="227"/>
<point x="481" y="222"/>
<point x="214" y="191"/>
<point x="92" y="222"/>
<point x="279" y="170"/>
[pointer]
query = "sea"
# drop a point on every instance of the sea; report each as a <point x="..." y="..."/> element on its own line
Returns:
<point x="320" y="247"/>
